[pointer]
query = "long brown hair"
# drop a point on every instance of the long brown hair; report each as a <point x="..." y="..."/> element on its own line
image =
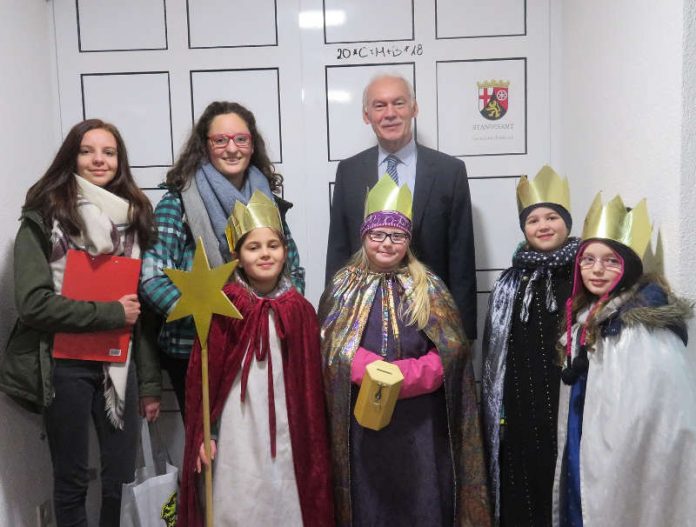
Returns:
<point x="55" y="194"/>
<point x="195" y="151"/>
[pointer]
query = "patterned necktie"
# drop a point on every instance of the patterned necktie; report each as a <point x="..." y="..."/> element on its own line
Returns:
<point x="392" y="161"/>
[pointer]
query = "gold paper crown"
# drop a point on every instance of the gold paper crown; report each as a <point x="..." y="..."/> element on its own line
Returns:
<point x="387" y="195"/>
<point x="261" y="211"/>
<point x="493" y="84"/>
<point x="547" y="187"/>
<point x="653" y="261"/>
<point x="614" y="222"/>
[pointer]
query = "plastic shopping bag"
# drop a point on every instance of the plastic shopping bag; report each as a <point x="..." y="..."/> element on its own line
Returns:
<point x="150" y="500"/>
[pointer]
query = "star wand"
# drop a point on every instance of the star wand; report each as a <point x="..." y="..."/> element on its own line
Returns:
<point x="201" y="296"/>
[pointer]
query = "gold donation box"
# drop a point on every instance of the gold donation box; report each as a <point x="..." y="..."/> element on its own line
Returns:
<point x="378" y="394"/>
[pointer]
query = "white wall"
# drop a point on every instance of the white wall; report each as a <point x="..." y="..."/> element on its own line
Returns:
<point x="620" y="107"/>
<point x="28" y="140"/>
<point x="626" y="85"/>
<point x="687" y="186"/>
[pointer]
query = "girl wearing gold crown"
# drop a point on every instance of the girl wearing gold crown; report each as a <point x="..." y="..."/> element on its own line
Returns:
<point x="520" y="372"/>
<point x="426" y="467"/>
<point x="627" y="424"/>
<point x="271" y="457"/>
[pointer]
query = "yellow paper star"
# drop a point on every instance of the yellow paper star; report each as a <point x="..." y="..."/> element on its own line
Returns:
<point x="201" y="292"/>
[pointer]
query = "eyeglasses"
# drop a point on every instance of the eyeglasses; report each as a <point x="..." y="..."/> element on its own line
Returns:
<point x="397" y="238"/>
<point x="611" y="263"/>
<point x="241" y="140"/>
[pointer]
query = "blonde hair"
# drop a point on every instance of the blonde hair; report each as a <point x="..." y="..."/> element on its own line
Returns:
<point x="418" y="311"/>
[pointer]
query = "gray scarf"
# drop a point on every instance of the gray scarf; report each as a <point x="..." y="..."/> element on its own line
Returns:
<point x="543" y="264"/>
<point x="219" y="197"/>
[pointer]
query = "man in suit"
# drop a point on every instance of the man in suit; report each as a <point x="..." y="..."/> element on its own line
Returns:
<point x="443" y="235"/>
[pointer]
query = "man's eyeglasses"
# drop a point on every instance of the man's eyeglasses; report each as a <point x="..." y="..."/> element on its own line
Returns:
<point x="611" y="263"/>
<point x="397" y="238"/>
<point x="241" y="140"/>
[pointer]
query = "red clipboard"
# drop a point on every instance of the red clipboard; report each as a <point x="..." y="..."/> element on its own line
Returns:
<point x="103" y="278"/>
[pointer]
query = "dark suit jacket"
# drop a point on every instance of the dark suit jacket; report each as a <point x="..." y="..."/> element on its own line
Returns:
<point x="443" y="235"/>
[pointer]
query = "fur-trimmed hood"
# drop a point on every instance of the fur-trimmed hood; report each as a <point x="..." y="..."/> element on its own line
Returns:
<point x="649" y="302"/>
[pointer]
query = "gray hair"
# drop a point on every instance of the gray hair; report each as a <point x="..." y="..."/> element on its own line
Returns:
<point x="397" y="76"/>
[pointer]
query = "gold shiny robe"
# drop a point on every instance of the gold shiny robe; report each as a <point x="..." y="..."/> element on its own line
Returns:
<point x="343" y="313"/>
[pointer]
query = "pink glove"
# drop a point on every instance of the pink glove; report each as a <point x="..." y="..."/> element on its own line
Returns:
<point x="422" y="375"/>
<point x="361" y="359"/>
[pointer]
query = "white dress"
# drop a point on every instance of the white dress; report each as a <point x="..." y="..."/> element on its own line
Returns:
<point x="638" y="445"/>
<point x="250" y="488"/>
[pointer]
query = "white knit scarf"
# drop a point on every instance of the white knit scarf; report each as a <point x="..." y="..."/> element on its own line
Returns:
<point x="105" y="220"/>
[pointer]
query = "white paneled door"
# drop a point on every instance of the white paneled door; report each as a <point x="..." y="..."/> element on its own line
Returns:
<point x="151" y="66"/>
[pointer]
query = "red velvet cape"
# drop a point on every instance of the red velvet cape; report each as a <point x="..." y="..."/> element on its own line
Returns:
<point x="297" y="328"/>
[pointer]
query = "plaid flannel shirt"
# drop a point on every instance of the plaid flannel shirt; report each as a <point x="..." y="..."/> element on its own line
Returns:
<point x="174" y="248"/>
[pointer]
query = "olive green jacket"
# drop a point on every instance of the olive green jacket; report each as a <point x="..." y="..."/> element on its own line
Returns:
<point x="26" y="365"/>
